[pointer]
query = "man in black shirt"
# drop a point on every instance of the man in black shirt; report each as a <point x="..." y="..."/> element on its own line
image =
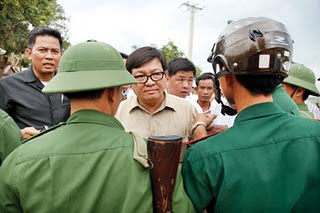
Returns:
<point x="21" y="95"/>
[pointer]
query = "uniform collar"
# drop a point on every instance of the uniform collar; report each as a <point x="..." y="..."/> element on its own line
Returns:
<point x="167" y="103"/>
<point x="303" y="107"/>
<point x="30" y="76"/>
<point x="94" y="117"/>
<point x="258" y="111"/>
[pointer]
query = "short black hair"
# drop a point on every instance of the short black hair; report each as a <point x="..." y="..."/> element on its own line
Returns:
<point x="41" y="31"/>
<point x="124" y="55"/>
<point x="205" y="76"/>
<point x="92" y="95"/>
<point x="143" y="55"/>
<point x="181" y="64"/>
<point x="259" y="84"/>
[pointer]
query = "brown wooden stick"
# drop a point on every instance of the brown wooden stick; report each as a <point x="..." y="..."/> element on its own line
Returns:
<point x="164" y="152"/>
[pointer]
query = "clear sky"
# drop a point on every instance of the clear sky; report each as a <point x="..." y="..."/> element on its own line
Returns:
<point x="124" y="23"/>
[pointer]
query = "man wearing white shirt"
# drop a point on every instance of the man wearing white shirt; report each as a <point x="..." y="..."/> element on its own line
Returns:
<point x="313" y="108"/>
<point x="180" y="78"/>
<point x="205" y="90"/>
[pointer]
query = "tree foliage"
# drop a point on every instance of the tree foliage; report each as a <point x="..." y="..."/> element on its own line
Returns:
<point x="198" y="71"/>
<point x="171" y="51"/>
<point x="18" y="17"/>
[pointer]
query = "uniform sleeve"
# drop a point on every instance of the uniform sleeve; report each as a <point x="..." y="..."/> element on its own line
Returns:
<point x="3" y="96"/>
<point x="9" y="201"/>
<point x="10" y="137"/>
<point x="202" y="178"/>
<point x="180" y="200"/>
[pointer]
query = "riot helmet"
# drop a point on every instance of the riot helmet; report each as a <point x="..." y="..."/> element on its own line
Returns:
<point x="251" y="46"/>
<point x="89" y="66"/>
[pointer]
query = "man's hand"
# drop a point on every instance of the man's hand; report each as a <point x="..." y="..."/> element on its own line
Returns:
<point x="28" y="132"/>
<point x="205" y="117"/>
<point x="214" y="128"/>
<point x="201" y="131"/>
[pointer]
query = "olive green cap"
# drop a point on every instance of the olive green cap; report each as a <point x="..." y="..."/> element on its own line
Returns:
<point x="89" y="66"/>
<point x="302" y="76"/>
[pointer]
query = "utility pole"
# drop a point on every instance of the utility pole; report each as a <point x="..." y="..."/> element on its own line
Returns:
<point x="193" y="8"/>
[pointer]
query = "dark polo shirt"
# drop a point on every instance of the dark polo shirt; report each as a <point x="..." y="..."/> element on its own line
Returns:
<point x="21" y="97"/>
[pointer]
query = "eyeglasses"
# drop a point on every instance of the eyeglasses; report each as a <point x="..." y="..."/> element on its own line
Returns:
<point x="157" y="76"/>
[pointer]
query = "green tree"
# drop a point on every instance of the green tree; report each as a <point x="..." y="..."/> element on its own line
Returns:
<point x="198" y="71"/>
<point x="17" y="17"/>
<point x="171" y="51"/>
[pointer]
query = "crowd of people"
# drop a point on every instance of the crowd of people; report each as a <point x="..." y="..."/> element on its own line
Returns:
<point x="74" y="126"/>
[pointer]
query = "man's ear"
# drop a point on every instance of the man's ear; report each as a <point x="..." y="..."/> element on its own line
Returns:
<point x="28" y="52"/>
<point x="110" y="94"/>
<point x="167" y="75"/>
<point x="229" y="78"/>
<point x="299" y="92"/>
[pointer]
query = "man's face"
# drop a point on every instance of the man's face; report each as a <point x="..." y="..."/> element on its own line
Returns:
<point x="118" y="96"/>
<point x="226" y="90"/>
<point x="180" y="84"/>
<point x="150" y="91"/>
<point x="205" y="90"/>
<point x="294" y="92"/>
<point x="288" y="88"/>
<point x="45" y="54"/>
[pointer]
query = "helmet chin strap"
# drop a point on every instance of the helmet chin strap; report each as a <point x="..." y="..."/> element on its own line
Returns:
<point x="224" y="108"/>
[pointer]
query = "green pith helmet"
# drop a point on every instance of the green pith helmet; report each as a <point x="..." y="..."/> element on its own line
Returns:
<point x="253" y="46"/>
<point x="89" y="66"/>
<point x="302" y="76"/>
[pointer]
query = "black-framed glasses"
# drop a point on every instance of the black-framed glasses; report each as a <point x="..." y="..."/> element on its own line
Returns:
<point x="157" y="76"/>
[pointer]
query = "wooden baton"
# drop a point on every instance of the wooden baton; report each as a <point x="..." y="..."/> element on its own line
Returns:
<point x="164" y="152"/>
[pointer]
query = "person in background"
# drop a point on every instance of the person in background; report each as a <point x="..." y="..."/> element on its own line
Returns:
<point x="205" y="91"/>
<point x="301" y="83"/>
<point x="207" y="104"/>
<point x="268" y="161"/>
<point x="181" y="76"/>
<point x="313" y="108"/>
<point x="86" y="164"/>
<point x="21" y="93"/>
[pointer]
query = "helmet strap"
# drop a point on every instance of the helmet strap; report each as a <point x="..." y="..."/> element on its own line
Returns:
<point x="293" y="92"/>
<point x="224" y="108"/>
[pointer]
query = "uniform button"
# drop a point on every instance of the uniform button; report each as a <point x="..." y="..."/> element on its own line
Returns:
<point x="53" y="109"/>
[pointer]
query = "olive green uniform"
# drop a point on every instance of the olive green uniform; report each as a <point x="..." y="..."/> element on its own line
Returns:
<point x="85" y="165"/>
<point x="303" y="77"/>
<point x="283" y="100"/>
<point x="267" y="162"/>
<point x="10" y="135"/>
<point x="304" y="111"/>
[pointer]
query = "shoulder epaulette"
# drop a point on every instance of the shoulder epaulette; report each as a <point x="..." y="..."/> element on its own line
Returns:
<point x="45" y="131"/>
